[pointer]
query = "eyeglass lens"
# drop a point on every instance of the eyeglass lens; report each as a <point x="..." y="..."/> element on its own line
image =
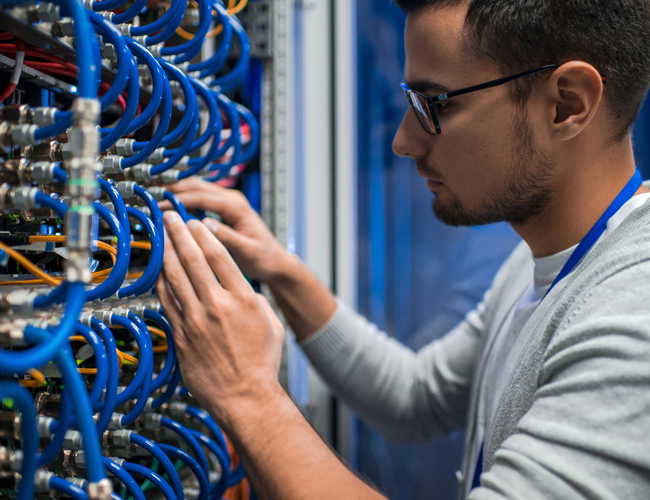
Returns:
<point x="421" y="109"/>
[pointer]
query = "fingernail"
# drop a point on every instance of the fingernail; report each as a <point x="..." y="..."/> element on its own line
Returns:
<point x="193" y="224"/>
<point x="170" y="217"/>
<point x="211" y="224"/>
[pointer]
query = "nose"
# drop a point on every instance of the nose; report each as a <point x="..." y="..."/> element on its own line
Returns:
<point x="411" y="139"/>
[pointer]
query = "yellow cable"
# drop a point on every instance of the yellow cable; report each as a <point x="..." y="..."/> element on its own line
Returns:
<point x="46" y="278"/>
<point x="29" y="265"/>
<point x="38" y="379"/>
<point x="157" y="331"/>
<point x="232" y="10"/>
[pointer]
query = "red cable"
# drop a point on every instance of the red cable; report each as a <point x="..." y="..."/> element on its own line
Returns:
<point x="15" y="75"/>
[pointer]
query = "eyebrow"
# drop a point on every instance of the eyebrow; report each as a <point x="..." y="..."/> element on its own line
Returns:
<point x="427" y="86"/>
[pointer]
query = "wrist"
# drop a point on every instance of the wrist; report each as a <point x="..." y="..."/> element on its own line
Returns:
<point x="287" y="270"/>
<point x="242" y="414"/>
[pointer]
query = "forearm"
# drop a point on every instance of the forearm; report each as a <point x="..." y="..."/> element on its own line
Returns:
<point x="283" y="456"/>
<point x="306" y="303"/>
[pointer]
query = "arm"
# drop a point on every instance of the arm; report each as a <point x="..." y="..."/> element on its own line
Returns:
<point x="306" y="303"/>
<point x="228" y="348"/>
<point x="407" y="396"/>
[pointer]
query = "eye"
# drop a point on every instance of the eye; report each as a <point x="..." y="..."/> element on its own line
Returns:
<point x="441" y="107"/>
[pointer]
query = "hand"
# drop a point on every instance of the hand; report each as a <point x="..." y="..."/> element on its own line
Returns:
<point x="255" y="250"/>
<point x="228" y="339"/>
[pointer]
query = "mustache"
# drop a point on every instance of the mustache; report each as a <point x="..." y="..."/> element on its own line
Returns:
<point x="428" y="171"/>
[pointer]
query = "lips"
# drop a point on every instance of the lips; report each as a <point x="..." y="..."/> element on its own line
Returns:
<point x="431" y="184"/>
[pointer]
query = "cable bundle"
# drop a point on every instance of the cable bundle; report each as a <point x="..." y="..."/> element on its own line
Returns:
<point x="88" y="367"/>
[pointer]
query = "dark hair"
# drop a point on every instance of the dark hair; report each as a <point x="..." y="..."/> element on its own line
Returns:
<point x="611" y="35"/>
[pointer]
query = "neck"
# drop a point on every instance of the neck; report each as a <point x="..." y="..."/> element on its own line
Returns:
<point x="585" y="190"/>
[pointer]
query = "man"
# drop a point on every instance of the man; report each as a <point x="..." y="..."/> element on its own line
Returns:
<point x="551" y="373"/>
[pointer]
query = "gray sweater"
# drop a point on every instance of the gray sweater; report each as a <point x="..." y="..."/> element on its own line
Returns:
<point x="569" y="416"/>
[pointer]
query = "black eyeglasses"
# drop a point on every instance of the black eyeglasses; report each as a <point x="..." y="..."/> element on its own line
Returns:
<point x="424" y="105"/>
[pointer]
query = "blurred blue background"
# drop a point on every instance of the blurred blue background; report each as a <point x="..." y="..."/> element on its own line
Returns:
<point x="417" y="278"/>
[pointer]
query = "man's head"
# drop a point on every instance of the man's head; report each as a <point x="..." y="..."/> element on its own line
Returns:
<point x="497" y="154"/>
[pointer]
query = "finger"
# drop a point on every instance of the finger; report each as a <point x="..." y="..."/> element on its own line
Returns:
<point x="190" y="256"/>
<point x="220" y="260"/>
<point x="235" y="242"/>
<point x="228" y="203"/>
<point x="177" y="277"/>
<point x="165" y="205"/>
<point x="172" y="310"/>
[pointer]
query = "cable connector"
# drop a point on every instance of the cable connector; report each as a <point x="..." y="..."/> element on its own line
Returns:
<point x="124" y="28"/>
<point x="19" y="135"/>
<point x="151" y="421"/>
<point x="170" y="176"/>
<point x="72" y="440"/>
<point x="126" y="189"/>
<point x="18" y="301"/>
<point x="120" y="438"/>
<point x="44" y="116"/>
<point x="116" y="421"/>
<point x="42" y="172"/>
<point x="104" y="316"/>
<point x="157" y="157"/>
<point x="113" y="165"/>
<point x="141" y="172"/>
<point x="124" y="147"/>
<point x="43" y="425"/>
<point x="177" y="409"/>
<point x="157" y="192"/>
<point x="42" y="481"/>
<point x="101" y="490"/>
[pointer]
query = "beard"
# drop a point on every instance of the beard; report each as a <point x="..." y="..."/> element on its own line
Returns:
<point x="525" y="192"/>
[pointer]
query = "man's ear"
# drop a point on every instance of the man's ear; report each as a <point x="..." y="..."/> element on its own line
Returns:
<point x="576" y="91"/>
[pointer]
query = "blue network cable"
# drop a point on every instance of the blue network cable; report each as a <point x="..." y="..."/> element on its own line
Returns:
<point x="120" y="209"/>
<point x="164" y="460"/>
<point x="116" y="277"/>
<point x="170" y="361"/>
<point x="25" y="404"/>
<point x="169" y="30"/>
<point x="142" y="379"/>
<point x="76" y="389"/>
<point x="250" y="150"/>
<point x="52" y="203"/>
<point x="177" y="204"/>
<point x="213" y="64"/>
<point x="178" y="454"/>
<point x="171" y="388"/>
<point x="112" y="135"/>
<point x="130" y="13"/>
<point x="205" y="16"/>
<point x="101" y="361"/>
<point x="20" y="361"/>
<point x="152" y="205"/>
<point x="126" y="479"/>
<point x="148" y="279"/>
<point x="71" y="490"/>
<point x="108" y="30"/>
<point x="112" y="382"/>
<point x="187" y="436"/>
<point x="233" y="79"/>
<point x="217" y="489"/>
<point x="159" y="82"/>
<point x="140" y="470"/>
<point x="164" y="20"/>
<point x="150" y="146"/>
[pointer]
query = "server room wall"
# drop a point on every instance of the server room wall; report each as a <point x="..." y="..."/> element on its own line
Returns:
<point x="104" y="104"/>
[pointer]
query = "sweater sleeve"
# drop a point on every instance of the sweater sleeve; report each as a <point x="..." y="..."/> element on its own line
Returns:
<point x="405" y="395"/>
<point x="586" y="433"/>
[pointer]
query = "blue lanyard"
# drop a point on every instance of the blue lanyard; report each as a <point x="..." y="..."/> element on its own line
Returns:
<point x="585" y="245"/>
<point x="599" y="228"/>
